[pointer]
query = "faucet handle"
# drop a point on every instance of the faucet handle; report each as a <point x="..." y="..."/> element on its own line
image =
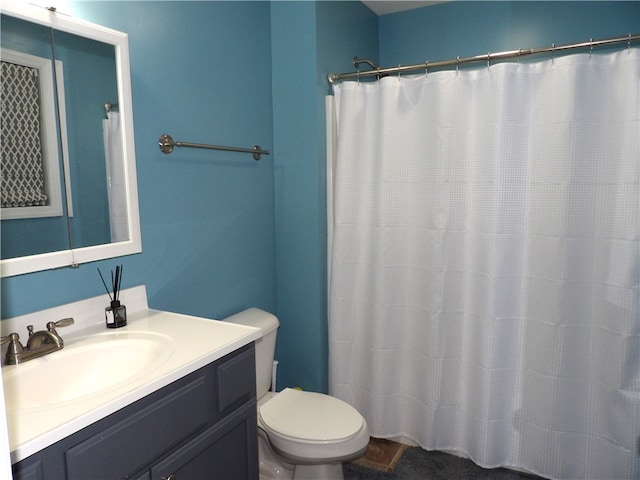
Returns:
<point x="14" y="349"/>
<point x="65" y="322"/>
<point x="12" y="337"/>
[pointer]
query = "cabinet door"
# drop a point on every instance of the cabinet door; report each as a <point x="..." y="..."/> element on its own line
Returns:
<point x="226" y="451"/>
<point x="28" y="471"/>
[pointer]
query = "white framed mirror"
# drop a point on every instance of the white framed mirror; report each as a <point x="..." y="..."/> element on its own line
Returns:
<point x="97" y="214"/>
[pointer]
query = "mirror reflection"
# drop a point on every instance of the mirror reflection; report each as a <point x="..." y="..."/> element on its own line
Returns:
<point x="90" y="83"/>
<point x="33" y="218"/>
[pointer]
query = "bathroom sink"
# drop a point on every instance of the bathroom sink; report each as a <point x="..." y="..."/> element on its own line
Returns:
<point x="85" y="367"/>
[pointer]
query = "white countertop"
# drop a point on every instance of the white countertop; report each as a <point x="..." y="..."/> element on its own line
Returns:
<point x="193" y="343"/>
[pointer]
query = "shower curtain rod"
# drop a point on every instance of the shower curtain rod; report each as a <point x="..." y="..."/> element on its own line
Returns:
<point x="488" y="57"/>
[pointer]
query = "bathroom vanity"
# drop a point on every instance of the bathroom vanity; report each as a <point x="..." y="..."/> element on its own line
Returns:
<point x="184" y="408"/>
<point x="201" y="426"/>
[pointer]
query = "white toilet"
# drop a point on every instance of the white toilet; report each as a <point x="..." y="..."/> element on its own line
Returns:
<point x="301" y="435"/>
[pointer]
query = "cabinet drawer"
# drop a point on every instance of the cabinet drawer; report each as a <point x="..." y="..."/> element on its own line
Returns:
<point x="122" y="448"/>
<point x="236" y="381"/>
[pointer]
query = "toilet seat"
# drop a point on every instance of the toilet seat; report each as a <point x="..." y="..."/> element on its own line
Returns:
<point x="309" y="427"/>
<point x="310" y="417"/>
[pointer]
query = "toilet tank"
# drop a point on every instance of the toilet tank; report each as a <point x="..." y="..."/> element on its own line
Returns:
<point x="265" y="346"/>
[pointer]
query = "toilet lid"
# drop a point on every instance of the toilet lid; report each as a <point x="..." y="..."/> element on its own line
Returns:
<point x="310" y="416"/>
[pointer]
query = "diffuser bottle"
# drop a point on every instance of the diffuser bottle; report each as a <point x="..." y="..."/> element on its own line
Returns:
<point x="115" y="315"/>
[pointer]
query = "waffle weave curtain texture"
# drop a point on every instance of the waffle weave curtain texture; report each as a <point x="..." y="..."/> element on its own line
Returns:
<point x="23" y="182"/>
<point x="484" y="290"/>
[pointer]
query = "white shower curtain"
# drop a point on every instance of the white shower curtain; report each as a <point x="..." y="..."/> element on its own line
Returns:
<point x="116" y="185"/>
<point x="484" y="289"/>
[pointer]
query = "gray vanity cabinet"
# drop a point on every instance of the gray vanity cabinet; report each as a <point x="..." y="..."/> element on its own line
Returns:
<point x="202" y="426"/>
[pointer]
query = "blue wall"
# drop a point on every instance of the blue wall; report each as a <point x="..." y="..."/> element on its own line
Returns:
<point x="308" y="40"/>
<point x="222" y="232"/>
<point x="448" y="30"/>
<point x="301" y="339"/>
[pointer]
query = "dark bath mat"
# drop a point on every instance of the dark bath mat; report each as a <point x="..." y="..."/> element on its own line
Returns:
<point x="381" y="455"/>
<point x="418" y="464"/>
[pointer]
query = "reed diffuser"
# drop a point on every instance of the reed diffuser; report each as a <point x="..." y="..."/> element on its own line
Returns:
<point x="115" y="315"/>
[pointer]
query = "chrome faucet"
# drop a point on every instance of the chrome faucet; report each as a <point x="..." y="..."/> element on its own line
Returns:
<point x="40" y="343"/>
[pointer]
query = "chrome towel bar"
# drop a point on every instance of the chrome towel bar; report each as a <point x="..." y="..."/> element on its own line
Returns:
<point x="167" y="144"/>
